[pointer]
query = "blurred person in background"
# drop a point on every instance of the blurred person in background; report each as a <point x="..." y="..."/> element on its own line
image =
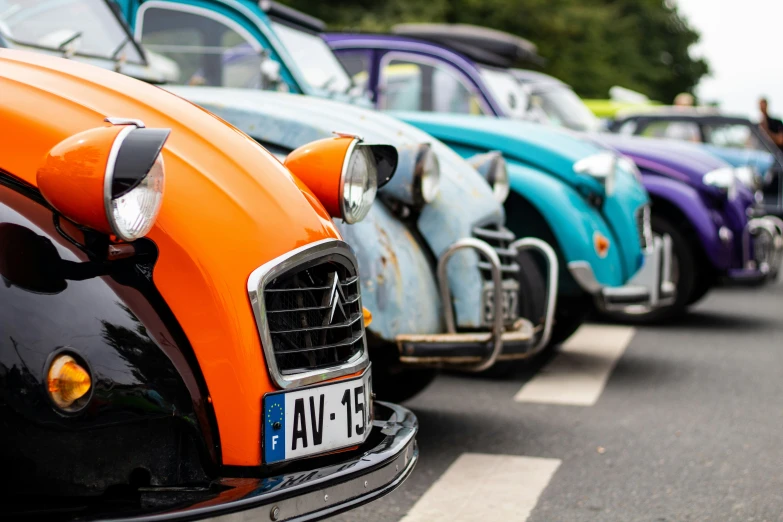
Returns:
<point x="684" y="131"/>
<point x="684" y="99"/>
<point x="772" y="126"/>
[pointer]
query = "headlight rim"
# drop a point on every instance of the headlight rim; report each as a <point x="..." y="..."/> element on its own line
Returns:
<point x="109" y="174"/>
<point x="586" y="167"/>
<point x="499" y="162"/>
<point x="347" y="215"/>
<point x="728" y="187"/>
<point x="420" y="198"/>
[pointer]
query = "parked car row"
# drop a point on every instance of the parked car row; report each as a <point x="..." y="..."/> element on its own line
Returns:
<point x="220" y="254"/>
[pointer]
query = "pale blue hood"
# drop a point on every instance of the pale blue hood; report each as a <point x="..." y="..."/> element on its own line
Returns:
<point x="287" y="121"/>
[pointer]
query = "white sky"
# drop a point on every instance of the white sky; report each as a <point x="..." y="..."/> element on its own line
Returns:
<point x="743" y="42"/>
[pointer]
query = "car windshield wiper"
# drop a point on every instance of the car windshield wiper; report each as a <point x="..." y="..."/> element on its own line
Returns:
<point x="120" y="48"/>
<point x="329" y="81"/>
<point x="72" y="38"/>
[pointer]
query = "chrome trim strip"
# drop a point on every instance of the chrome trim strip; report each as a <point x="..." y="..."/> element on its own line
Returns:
<point x="343" y="171"/>
<point x="445" y="294"/>
<point x="114" y="120"/>
<point x="256" y="283"/>
<point x="108" y="178"/>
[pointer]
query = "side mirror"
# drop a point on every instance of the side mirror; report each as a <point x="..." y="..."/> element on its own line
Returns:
<point x="344" y="173"/>
<point x="29" y="261"/>
<point x="109" y="179"/>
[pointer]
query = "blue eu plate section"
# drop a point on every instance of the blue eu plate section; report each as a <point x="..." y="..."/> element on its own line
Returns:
<point x="274" y="427"/>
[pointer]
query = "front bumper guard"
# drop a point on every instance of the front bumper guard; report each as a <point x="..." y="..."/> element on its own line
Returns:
<point x="765" y="261"/>
<point x="479" y="351"/>
<point x="649" y="289"/>
<point x="309" y="494"/>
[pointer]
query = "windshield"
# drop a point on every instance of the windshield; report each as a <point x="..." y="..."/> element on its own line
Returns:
<point x="561" y="106"/>
<point x="314" y="58"/>
<point x="507" y="91"/>
<point x="83" y="27"/>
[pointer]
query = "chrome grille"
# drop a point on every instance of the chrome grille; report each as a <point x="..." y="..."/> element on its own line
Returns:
<point x="309" y="313"/>
<point x="499" y="238"/>
<point x="644" y="227"/>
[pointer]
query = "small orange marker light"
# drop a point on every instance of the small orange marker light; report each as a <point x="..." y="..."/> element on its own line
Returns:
<point x="367" y="317"/>
<point x="67" y="381"/>
<point x="601" y="243"/>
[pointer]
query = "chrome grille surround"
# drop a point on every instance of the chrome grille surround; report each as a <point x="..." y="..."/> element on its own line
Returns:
<point x="308" y="310"/>
<point x="499" y="238"/>
<point x="644" y="227"/>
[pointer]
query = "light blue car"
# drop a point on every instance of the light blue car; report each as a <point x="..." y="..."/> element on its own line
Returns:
<point x="582" y="198"/>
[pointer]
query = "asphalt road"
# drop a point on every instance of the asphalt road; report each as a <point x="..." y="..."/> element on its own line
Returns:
<point x="689" y="426"/>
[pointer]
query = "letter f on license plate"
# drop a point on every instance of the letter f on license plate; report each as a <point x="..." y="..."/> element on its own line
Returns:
<point x="316" y="419"/>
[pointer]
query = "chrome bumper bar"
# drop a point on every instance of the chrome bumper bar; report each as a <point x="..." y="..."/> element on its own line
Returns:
<point x="478" y="351"/>
<point x="650" y="288"/>
<point x="309" y="493"/>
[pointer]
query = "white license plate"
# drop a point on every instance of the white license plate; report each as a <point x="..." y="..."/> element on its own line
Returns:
<point x="316" y="419"/>
<point x="510" y="302"/>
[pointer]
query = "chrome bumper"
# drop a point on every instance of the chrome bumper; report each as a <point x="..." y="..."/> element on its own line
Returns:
<point x="478" y="351"/>
<point x="650" y="288"/>
<point x="311" y="493"/>
<point x="764" y="235"/>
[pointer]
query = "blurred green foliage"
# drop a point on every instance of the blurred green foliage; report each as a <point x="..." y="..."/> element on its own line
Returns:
<point x="590" y="44"/>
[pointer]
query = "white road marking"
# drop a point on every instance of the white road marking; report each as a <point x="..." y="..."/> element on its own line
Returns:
<point x="578" y="373"/>
<point x="485" y="487"/>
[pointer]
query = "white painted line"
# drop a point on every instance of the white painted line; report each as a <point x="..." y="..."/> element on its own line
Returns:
<point x="485" y="487"/>
<point x="578" y="373"/>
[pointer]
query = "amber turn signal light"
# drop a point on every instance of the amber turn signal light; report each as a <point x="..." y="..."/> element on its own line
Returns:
<point x="601" y="243"/>
<point x="67" y="381"/>
<point x="367" y="317"/>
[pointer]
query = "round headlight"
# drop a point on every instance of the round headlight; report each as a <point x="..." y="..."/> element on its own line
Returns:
<point x="723" y="179"/>
<point x="749" y="177"/>
<point x="133" y="189"/>
<point x="629" y="166"/>
<point x="498" y="179"/>
<point x="359" y="183"/>
<point x="427" y="174"/>
<point x="133" y="213"/>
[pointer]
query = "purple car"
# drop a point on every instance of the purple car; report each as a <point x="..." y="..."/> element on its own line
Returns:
<point x="715" y="225"/>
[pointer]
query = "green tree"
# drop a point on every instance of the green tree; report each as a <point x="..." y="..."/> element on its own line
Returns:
<point x="590" y="44"/>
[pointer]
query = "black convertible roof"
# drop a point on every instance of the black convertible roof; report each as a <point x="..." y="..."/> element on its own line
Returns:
<point x="487" y="46"/>
<point x="290" y="16"/>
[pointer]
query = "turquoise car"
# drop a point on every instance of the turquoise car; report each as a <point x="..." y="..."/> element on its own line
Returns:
<point x="598" y="223"/>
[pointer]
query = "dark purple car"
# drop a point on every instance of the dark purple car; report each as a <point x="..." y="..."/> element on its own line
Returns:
<point x="714" y="222"/>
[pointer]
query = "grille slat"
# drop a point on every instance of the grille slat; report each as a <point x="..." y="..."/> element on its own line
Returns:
<point x="494" y="235"/>
<point x="499" y="238"/>
<point x="354" y="299"/>
<point x="505" y="269"/>
<point x="350" y="342"/>
<point x="314" y="315"/>
<point x="344" y="324"/>
<point x="643" y="226"/>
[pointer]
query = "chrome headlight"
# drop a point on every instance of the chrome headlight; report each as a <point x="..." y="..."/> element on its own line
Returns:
<point x="493" y="167"/>
<point x="628" y="165"/>
<point x="426" y="182"/>
<point x="749" y="177"/>
<point x="358" y="183"/>
<point x="601" y="167"/>
<point x="723" y="179"/>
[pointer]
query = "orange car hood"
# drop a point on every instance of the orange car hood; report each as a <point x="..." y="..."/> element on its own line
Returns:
<point x="228" y="207"/>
